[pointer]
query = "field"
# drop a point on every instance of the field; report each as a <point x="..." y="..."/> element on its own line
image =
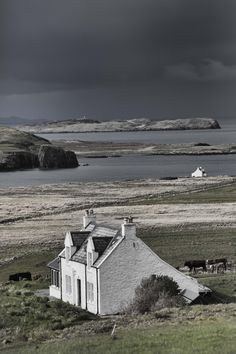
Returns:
<point x="208" y="337"/>
<point x="180" y="219"/>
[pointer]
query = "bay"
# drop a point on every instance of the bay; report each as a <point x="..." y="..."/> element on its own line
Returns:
<point x="123" y="168"/>
<point x="226" y="135"/>
<point x="133" y="166"/>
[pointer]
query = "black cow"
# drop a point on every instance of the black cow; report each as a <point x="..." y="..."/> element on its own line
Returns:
<point x="196" y="264"/>
<point x="20" y="276"/>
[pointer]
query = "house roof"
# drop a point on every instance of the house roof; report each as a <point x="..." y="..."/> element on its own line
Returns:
<point x="81" y="255"/>
<point x="54" y="264"/>
<point x="101" y="243"/>
<point x="104" y="231"/>
<point x="78" y="237"/>
<point x="103" y="237"/>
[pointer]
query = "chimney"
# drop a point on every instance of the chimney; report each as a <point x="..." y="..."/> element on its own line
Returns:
<point x="128" y="228"/>
<point x="88" y="217"/>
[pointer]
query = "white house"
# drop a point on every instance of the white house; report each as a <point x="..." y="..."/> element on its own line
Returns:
<point x="200" y="172"/>
<point x="101" y="266"/>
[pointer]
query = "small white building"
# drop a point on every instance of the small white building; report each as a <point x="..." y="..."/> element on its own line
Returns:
<point x="101" y="266"/>
<point x="200" y="172"/>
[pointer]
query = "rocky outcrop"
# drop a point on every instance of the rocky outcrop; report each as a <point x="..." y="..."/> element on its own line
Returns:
<point x="20" y="150"/>
<point x="18" y="160"/>
<point x="55" y="157"/>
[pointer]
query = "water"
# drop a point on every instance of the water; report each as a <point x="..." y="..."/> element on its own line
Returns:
<point x="123" y="168"/>
<point x="134" y="166"/>
<point x="212" y="136"/>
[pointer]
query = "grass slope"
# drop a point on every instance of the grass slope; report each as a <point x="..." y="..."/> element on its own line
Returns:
<point x="27" y="320"/>
<point x="208" y="337"/>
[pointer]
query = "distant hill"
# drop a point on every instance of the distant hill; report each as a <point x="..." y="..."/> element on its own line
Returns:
<point x="139" y="124"/>
<point x="11" y="121"/>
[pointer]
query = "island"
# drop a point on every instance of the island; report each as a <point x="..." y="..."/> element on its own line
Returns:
<point x="140" y="124"/>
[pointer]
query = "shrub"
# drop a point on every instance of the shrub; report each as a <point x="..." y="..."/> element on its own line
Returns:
<point x="154" y="293"/>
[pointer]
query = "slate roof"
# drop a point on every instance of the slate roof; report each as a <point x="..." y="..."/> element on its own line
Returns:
<point x="100" y="244"/>
<point x="81" y="255"/>
<point x="54" y="264"/>
<point x="112" y="245"/>
<point x="103" y="238"/>
<point x="78" y="237"/>
<point x="103" y="231"/>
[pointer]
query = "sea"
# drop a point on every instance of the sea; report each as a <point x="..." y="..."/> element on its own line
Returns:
<point x="134" y="166"/>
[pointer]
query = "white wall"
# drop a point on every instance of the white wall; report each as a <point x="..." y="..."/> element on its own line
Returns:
<point x="124" y="269"/>
<point x="54" y="291"/>
<point x="76" y="271"/>
<point x="92" y="278"/>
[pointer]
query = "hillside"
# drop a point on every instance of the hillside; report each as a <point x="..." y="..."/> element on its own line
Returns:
<point x="22" y="150"/>
<point x="15" y="140"/>
<point x="141" y="124"/>
<point x="179" y="219"/>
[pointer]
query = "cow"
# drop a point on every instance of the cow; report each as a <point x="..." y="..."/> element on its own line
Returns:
<point x="20" y="276"/>
<point x="192" y="265"/>
<point x="210" y="262"/>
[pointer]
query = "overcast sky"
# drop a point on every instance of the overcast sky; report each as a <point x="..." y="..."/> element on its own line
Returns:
<point x="110" y="59"/>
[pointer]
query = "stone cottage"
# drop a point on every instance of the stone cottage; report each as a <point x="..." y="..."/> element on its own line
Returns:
<point x="101" y="266"/>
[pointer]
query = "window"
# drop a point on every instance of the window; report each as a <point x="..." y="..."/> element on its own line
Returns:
<point x="68" y="284"/>
<point x="55" y="278"/>
<point x="90" y="259"/>
<point x="90" y="292"/>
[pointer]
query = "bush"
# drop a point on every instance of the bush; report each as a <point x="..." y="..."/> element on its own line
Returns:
<point x="154" y="293"/>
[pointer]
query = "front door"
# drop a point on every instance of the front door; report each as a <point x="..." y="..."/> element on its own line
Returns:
<point x="78" y="292"/>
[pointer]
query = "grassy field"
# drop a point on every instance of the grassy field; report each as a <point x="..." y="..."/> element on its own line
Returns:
<point x="177" y="244"/>
<point x="210" y="337"/>
<point x="24" y="316"/>
<point x="216" y="194"/>
<point x="27" y="321"/>
<point x="36" y="263"/>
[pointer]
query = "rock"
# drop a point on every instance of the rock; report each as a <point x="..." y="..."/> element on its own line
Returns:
<point x="55" y="157"/>
<point x="21" y="150"/>
<point x="202" y="144"/>
<point x="18" y="160"/>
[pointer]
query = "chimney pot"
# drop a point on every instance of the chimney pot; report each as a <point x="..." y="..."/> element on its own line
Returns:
<point x="88" y="217"/>
<point x="128" y="228"/>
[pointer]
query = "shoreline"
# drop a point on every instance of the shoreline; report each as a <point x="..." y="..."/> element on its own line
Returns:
<point x="109" y="149"/>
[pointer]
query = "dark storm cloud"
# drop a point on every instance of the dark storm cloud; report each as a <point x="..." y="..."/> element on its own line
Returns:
<point x="55" y="44"/>
<point x="207" y="71"/>
<point x="117" y="58"/>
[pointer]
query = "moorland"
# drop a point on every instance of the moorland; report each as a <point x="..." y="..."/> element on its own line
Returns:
<point x="179" y="219"/>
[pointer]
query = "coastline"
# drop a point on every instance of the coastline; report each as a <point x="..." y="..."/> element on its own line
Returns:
<point x="110" y="149"/>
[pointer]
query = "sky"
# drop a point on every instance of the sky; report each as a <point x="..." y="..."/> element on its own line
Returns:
<point x="117" y="59"/>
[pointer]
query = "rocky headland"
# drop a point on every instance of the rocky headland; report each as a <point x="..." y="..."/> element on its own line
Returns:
<point x="22" y="150"/>
<point x="140" y="124"/>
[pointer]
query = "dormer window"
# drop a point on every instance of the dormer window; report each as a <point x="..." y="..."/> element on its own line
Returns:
<point x="90" y="259"/>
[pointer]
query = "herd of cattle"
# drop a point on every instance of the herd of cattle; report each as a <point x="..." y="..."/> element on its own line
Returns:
<point x="219" y="265"/>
